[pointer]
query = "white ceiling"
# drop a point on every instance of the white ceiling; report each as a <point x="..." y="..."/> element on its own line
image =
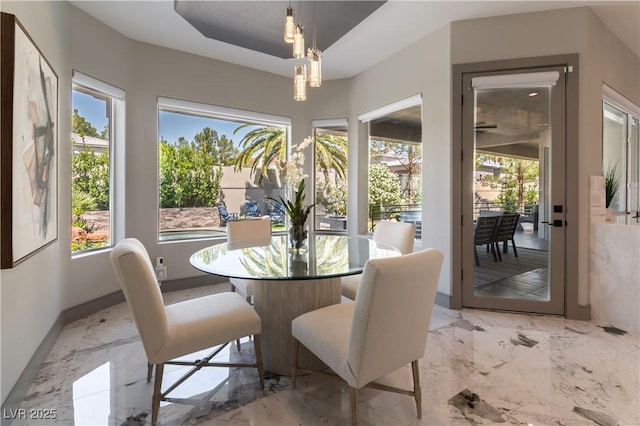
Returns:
<point x="393" y="26"/>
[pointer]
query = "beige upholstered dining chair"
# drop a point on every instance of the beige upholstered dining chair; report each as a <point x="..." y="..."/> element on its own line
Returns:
<point x="169" y="332"/>
<point x="383" y="330"/>
<point x="247" y="233"/>
<point x="396" y="234"/>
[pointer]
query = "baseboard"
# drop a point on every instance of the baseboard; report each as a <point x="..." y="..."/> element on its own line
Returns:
<point x="584" y="312"/>
<point x="443" y="300"/>
<point x="20" y="389"/>
<point x="85" y="309"/>
<point x="92" y="306"/>
<point x="186" y="283"/>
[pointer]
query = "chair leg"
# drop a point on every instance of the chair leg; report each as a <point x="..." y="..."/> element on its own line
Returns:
<point x="493" y="252"/>
<point x="157" y="394"/>
<point x="417" y="391"/>
<point x="475" y="253"/>
<point x="513" y="243"/>
<point x="149" y="371"/>
<point x="294" y="364"/>
<point x="233" y="290"/>
<point x="505" y="247"/>
<point x="496" y="253"/>
<point x="354" y="406"/>
<point x="258" y="349"/>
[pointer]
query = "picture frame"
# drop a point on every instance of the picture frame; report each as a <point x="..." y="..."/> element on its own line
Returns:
<point x="28" y="146"/>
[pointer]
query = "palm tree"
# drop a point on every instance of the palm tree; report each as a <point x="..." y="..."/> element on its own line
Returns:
<point x="331" y="153"/>
<point x="261" y="147"/>
<point x="264" y="146"/>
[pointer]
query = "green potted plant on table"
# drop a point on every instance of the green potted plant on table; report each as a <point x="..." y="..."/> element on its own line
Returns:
<point x="295" y="207"/>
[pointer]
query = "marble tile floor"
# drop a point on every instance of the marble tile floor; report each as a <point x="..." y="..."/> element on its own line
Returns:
<point x="480" y="367"/>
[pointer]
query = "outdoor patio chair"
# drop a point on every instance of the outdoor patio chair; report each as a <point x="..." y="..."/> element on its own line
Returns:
<point x="531" y="217"/>
<point x="251" y="209"/>
<point x="491" y="213"/>
<point x="277" y="213"/>
<point x="485" y="233"/>
<point x="225" y="216"/>
<point x="505" y="232"/>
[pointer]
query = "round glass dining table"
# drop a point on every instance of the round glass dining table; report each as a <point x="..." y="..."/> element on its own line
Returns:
<point x="287" y="285"/>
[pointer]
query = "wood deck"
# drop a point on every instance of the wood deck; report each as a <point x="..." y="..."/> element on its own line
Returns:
<point x="523" y="277"/>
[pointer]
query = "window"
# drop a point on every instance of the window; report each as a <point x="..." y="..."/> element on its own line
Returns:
<point x="330" y="159"/>
<point x="97" y="126"/>
<point x="395" y="162"/>
<point x="217" y="164"/>
<point x="621" y="149"/>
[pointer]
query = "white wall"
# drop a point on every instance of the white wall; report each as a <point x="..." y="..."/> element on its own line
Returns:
<point x="603" y="58"/>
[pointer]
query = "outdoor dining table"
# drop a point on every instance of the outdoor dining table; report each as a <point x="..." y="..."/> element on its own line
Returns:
<point x="287" y="284"/>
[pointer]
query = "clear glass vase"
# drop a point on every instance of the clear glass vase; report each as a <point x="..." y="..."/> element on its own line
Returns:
<point x="298" y="239"/>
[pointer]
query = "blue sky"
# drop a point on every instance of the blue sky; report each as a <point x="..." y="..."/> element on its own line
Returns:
<point x="172" y="125"/>
<point x="92" y="109"/>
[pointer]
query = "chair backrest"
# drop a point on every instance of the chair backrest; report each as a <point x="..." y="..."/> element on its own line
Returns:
<point x="507" y="227"/>
<point x="397" y="234"/>
<point x="392" y="313"/>
<point x="485" y="213"/>
<point x="277" y="208"/>
<point x="224" y="213"/>
<point x="137" y="278"/>
<point x="250" y="232"/>
<point x="485" y="230"/>
<point x="251" y="208"/>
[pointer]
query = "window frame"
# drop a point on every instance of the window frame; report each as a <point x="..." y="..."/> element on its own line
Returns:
<point x="366" y="118"/>
<point x="339" y="125"/>
<point x="216" y="112"/>
<point x="631" y="112"/>
<point x="115" y="98"/>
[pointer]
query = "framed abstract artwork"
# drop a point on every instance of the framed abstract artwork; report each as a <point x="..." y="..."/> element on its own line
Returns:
<point x="28" y="146"/>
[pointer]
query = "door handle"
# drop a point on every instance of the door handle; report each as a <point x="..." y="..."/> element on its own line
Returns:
<point x="557" y="223"/>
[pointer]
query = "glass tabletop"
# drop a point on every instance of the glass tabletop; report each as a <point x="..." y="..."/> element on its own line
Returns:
<point x="328" y="256"/>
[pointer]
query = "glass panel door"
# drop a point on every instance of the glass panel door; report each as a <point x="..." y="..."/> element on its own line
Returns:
<point x="514" y="130"/>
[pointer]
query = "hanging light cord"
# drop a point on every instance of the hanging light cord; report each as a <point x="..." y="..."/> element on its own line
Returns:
<point x="314" y="25"/>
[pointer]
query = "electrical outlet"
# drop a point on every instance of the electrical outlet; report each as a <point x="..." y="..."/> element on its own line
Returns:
<point x="161" y="273"/>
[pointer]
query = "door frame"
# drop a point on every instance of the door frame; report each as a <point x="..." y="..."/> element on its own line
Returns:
<point x="571" y="308"/>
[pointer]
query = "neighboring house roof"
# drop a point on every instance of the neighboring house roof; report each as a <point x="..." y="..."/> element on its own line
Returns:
<point x="97" y="144"/>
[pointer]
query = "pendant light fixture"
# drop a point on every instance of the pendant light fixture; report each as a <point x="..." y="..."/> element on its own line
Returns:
<point x="289" y="25"/>
<point x="314" y="57"/>
<point x="298" y="36"/>
<point x="300" y="83"/>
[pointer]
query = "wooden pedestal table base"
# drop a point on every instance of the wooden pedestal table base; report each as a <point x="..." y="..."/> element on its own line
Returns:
<point x="280" y="302"/>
